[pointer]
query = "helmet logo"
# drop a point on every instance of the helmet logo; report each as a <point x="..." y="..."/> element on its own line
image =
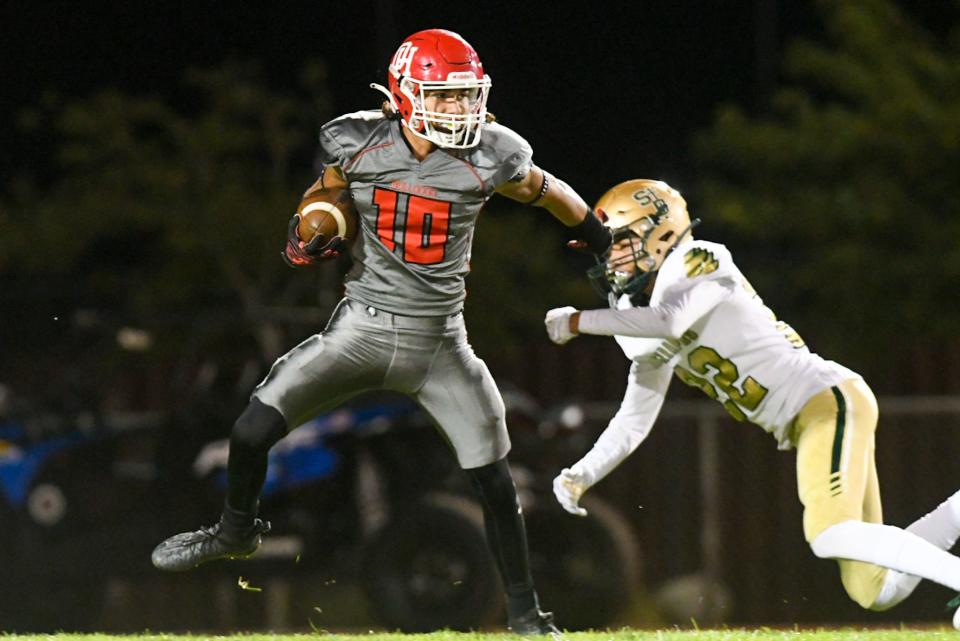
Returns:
<point x="647" y="196"/>
<point x="400" y="65"/>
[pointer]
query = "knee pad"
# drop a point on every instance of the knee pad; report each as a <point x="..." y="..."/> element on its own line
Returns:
<point x="258" y="427"/>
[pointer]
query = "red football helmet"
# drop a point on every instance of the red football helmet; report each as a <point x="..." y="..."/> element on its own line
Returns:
<point x="433" y="60"/>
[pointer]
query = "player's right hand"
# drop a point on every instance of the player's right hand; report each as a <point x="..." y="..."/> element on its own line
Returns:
<point x="300" y="254"/>
<point x="568" y="487"/>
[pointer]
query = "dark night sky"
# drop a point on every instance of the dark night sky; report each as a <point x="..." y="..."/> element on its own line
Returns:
<point x="603" y="91"/>
<point x="587" y="87"/>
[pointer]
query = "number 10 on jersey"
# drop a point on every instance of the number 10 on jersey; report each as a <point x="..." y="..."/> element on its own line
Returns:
<point x="425" y="225"/>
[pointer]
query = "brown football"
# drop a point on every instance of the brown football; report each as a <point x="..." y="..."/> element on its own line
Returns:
<point x="327" y="213"/>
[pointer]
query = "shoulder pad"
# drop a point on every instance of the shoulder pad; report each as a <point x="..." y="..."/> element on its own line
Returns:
<point x="502" y="140"/>
<point x="342" y="137"/>
<point x="504" y="151"/>
<point x="696" y="260"/>
<point x="357" y="125"/>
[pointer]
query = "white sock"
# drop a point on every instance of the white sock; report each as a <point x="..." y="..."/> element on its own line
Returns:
<point x="941" y="527"/>
<point x="888" y="547"/>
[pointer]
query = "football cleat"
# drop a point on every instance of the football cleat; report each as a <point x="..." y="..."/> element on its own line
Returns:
<point x="534" y="622"/>
<point x="188" y="550"/>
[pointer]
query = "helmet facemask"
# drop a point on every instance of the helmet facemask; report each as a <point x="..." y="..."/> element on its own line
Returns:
<point x="630" y="271"/>
<point x="449" y="130"/>
<point x="438" y="60"/>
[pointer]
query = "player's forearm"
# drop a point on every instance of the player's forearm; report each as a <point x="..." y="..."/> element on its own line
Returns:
<point x="626" y="431"/>
<point x="562" y="202"/>
<point x="540" y="189"/>
<point x="631" y="425"/>
<point x="670" y="319"/>
<point x="643" y="322"/>
<point x="610" y="450"/>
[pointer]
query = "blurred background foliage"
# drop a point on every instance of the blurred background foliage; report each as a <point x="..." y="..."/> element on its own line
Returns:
<point x="157" y="207"/>
<point x="840" y="198"/>
<point x="846" y="190"/>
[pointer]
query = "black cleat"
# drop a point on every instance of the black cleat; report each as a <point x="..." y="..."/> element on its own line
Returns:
<point x="534" y="622"/>
<point x="188" y="550"/>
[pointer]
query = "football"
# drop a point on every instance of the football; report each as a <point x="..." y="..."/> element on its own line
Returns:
<point x="328" y="213"/>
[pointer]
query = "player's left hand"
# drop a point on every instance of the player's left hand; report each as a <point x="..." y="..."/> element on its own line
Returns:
<point x="568" y="487"/>
<point x="558" y="324"/>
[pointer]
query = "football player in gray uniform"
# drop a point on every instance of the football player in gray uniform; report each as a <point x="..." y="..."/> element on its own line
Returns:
<point x="419" y="170"/>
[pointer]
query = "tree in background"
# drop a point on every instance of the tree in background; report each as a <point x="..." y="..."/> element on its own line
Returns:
<point x="169" y="213"/>
<point x="850" y="189"/>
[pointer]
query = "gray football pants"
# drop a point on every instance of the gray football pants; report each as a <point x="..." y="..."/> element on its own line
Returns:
<point x="427" y="358"/>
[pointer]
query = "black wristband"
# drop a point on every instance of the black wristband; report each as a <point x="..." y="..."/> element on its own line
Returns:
<point x="544" y="186"/>
<point x="594" y="233"/>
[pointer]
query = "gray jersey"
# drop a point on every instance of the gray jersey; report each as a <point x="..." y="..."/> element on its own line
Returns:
<point x="417" y="218"/>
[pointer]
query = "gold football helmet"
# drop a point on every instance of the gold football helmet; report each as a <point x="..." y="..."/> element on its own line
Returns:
<point x="648" y="219"/>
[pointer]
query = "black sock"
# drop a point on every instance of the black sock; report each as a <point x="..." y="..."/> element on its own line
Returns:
<point x="523" y="603"/>
<point x="506" y="534"/>
<point x="254" y="433"/>
<point x="234" y="523"/>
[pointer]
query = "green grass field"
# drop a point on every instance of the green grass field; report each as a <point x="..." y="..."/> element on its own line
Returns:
<point x="763" y="634"/>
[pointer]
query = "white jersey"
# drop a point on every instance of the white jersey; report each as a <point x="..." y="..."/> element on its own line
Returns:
<point x="707" y="325"/>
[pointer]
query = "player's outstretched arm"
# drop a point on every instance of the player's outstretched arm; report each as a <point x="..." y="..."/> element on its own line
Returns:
<point x="669" y="319"/>
<point x="627" y="429"/>
<point x="540" y="189"/>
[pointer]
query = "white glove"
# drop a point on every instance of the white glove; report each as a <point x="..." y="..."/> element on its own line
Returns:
<point x="558" y="324"/>
<point x="568" y="487"/>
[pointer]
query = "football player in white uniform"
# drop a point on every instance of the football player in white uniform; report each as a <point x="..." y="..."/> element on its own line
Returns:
<point x="681" y="306"/>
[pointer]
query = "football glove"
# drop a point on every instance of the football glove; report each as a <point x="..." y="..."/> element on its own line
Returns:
<point x="568" y="487"/>
<point x="558" y="324"/>
<point x="300" y="254"/>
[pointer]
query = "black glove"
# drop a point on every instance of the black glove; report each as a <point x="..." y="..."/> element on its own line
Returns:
<point x="300" y="254"/>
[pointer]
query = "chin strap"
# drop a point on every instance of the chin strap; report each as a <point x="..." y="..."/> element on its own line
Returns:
<point x="386" y="92"/>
